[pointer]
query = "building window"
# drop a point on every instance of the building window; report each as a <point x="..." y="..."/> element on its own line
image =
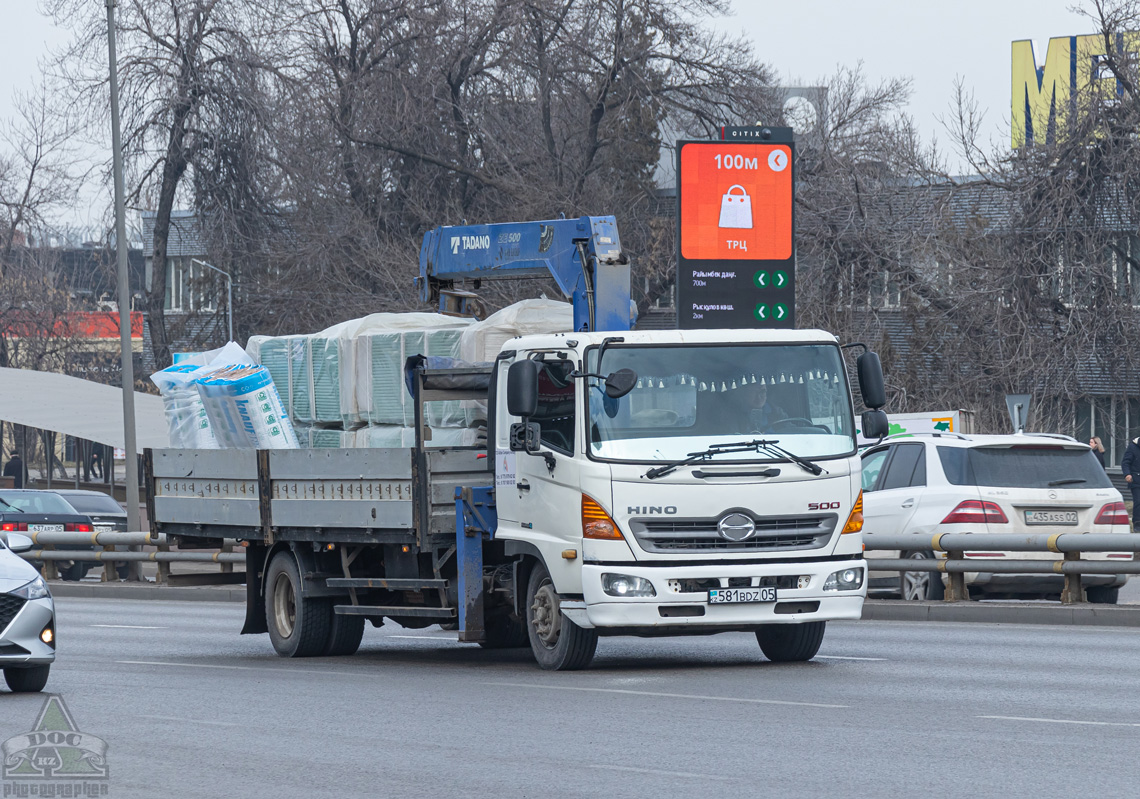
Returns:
<point x="190" y="286"/>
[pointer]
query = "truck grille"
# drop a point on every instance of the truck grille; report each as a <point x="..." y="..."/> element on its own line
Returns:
<point x="700" y="535"/>
<point x="9" y="607"/>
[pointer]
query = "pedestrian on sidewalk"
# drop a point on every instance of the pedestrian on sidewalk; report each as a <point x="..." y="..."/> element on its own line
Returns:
<point x="1098" y="449"/>
<point x="1130" y="466"/>
<point x="16" y="469"/>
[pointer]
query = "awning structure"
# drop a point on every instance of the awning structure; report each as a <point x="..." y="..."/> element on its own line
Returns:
<point x="79" y="408"/>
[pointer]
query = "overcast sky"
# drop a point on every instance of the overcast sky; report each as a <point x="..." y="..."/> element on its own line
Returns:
<point x="804" y="40"/>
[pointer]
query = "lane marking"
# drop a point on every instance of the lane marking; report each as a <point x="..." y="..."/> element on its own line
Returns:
<point x="426" y="637"/>
<point x="666" y="695"/>
<point x="1064" y="721"/>
<point x="194" y="721"/>
<point x="127" y="627"/>
<point x="261" y="669"/>
<point x="658" y="772"/>
<point x="844" y="657"/>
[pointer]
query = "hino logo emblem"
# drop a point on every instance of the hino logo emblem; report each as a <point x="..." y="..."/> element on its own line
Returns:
<point x="648" y="510"/>
<point x="736" y="527"/>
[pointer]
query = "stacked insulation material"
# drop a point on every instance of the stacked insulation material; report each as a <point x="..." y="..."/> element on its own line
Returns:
<point x="187" y="422"/>
<point x="245" y="409"/>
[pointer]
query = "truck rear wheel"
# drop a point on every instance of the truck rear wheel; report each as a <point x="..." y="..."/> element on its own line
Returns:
<point x="299" y="626"/>
<point x="558" y="643"/>
<point x="345" y="633"/>
<point x="790" y="643"/>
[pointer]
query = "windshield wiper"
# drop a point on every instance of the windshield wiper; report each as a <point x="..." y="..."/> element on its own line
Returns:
<point x="1069" y="481"/>
<point x="736" y="446"/>
<point x="10" y="505"/>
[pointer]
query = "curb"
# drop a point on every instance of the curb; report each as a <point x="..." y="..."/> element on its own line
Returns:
<point x="147" y="592"/>
<point x="1002" y="613"/>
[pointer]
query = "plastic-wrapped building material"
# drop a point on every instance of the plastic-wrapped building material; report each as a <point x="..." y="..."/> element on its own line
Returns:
<point x="381" y="436"/>
<point x="483" y="340"/>
<point x="186" y="419"/>
<point x="245" y="410"/>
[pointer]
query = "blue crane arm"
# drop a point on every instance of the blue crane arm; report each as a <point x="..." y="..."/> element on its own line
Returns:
<point x="583" y="256"/>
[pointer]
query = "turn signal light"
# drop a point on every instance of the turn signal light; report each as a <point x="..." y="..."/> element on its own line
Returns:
<point x="855" y="520"/>
<point x="596" y="523"/>
<point x="1113" y="513"/>
<point x="976" y="511"/>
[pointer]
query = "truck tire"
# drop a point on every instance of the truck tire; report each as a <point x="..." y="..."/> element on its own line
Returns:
<point x="27" y="680"/>
<point x="790" y="643"/>
<point x="558" y="643"/>
<point x="299" y="627"/>
<point x="505" y="632"/>
<point x="345" y="633"/>
<point x="1102" y="594"/>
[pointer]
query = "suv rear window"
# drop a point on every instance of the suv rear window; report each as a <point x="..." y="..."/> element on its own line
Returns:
<point x="1023" y="467"/>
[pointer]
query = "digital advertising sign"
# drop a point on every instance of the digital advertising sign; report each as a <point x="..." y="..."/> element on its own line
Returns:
<point x="736" y="257"/>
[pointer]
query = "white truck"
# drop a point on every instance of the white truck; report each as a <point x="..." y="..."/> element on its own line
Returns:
<point x="634" y="483"/>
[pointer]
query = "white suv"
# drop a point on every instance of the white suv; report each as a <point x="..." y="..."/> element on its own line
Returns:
<point x="1020" y="484"/>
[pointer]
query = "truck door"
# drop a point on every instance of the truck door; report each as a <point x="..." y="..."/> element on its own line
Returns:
<point x="539" y="496"/>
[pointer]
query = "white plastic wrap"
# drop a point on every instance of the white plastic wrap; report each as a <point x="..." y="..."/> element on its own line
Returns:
<point x="186" y="419"/>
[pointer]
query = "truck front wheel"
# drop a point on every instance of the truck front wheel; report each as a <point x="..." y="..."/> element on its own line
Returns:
<point x="790" y="643"/>
<point x="558" y="643"/>
<point x="299" y="626"/>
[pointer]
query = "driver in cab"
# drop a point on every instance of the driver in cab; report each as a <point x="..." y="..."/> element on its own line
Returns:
<point x="755" y="414"/>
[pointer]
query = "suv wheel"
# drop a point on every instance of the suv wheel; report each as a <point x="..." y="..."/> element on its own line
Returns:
<point x="919" y="586"/>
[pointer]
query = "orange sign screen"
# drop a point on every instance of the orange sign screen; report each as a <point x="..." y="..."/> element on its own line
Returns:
<point x="736" y="201"/>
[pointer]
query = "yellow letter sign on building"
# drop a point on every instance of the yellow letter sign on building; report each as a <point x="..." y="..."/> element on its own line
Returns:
<point x="1044" y="97"/>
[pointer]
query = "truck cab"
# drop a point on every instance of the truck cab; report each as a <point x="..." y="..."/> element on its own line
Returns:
<point x="719" y="492"/>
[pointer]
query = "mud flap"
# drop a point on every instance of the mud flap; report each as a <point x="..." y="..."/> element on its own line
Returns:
<point x="255" y="555"/>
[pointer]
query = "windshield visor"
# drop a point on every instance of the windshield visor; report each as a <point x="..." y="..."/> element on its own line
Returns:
<point x="690" y="397"/>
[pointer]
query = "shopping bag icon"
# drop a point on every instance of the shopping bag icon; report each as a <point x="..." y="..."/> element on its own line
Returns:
<point x="736" y="209"/>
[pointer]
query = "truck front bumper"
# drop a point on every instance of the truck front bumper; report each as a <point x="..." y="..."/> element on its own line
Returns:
<point x="680" y="605"/>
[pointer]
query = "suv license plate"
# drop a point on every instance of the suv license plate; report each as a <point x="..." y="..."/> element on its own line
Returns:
<point x="722" y="596"/>
<point x="1050" y="517"/>
<point x="45" y="528"/>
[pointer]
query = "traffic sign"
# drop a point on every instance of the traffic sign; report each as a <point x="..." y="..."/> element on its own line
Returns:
<point x="735" y="217"/>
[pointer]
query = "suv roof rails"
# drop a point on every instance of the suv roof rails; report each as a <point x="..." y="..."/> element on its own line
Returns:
<point x="1060" y="436"/>
<point x="940" y="434"/>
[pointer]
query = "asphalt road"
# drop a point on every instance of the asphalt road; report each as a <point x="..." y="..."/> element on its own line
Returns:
<point x="191" y="709"/>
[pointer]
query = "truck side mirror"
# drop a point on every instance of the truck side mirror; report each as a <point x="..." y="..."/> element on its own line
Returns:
<point x="620" y="383"/>
<point x="871" y="383"/>
<point x="875" y="424"/>
<point x="522" y="388"/>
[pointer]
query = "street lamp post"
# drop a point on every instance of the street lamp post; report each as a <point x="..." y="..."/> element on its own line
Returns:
<point x="129" y="444"/>
<point x="229" y="294"/>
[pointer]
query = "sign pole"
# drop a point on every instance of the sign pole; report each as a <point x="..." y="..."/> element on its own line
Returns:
<point x="126" y="355"/>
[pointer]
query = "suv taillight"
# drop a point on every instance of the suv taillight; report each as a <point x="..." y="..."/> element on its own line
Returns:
<point x="1113" y="513"/>
<point x="976" y="511"/>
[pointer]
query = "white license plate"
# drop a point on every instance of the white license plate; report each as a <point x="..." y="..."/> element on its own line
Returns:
<point x="104" y="528"/>
<point x="722" y="596"/>
<point x="45" y="528"/>
<point x="1050" y="517"/>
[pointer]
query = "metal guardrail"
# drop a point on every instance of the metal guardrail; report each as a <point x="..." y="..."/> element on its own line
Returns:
<point x="956" y="563"/>
<point x="50" y="554"/>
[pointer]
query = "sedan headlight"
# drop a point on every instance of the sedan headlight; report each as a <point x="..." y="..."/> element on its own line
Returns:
<point x="626" y="585"/>
<point x="36" y="589"/>
<point x="844" y="580"/>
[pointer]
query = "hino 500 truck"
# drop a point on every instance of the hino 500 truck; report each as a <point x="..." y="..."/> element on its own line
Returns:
<point x="633" y="483"/>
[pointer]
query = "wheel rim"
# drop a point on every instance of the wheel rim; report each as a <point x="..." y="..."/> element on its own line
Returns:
<point x="916" y="585"/>
<point x="545" y="616"/>
<point x="284" y="605"/>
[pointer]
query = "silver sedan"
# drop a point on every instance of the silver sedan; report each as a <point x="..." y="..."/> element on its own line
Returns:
<point x="27" y="618"/>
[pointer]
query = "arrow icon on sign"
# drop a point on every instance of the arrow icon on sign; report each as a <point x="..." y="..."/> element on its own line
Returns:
<point x="781" y="279"/>
<point x="762" y="312"/>
<point x="761" y="279"/>
<point x="781" y="311"/>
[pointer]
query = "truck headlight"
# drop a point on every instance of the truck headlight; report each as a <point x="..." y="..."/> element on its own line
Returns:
<point x="626" y="585"/>
<point x="36" y="589"/>
<point x="844" y="580"/>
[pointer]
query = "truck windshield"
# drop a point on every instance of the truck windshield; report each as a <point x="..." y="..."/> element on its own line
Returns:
<point x="689" y="397"/>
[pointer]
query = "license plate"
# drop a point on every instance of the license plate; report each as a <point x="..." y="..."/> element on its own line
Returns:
<point x="45" y="528"/>
<point x="1050" y="517"/>
<point x="722" y="596"/>
<point x="104" y="528"/>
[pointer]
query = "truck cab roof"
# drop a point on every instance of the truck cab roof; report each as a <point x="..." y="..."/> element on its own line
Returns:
<point x="582" y="340"/>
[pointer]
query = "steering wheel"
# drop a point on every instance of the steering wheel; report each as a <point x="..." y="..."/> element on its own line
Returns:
<point x="792" y="421"/>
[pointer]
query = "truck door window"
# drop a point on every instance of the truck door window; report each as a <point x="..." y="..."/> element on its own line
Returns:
<point x="556" y="406"/>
